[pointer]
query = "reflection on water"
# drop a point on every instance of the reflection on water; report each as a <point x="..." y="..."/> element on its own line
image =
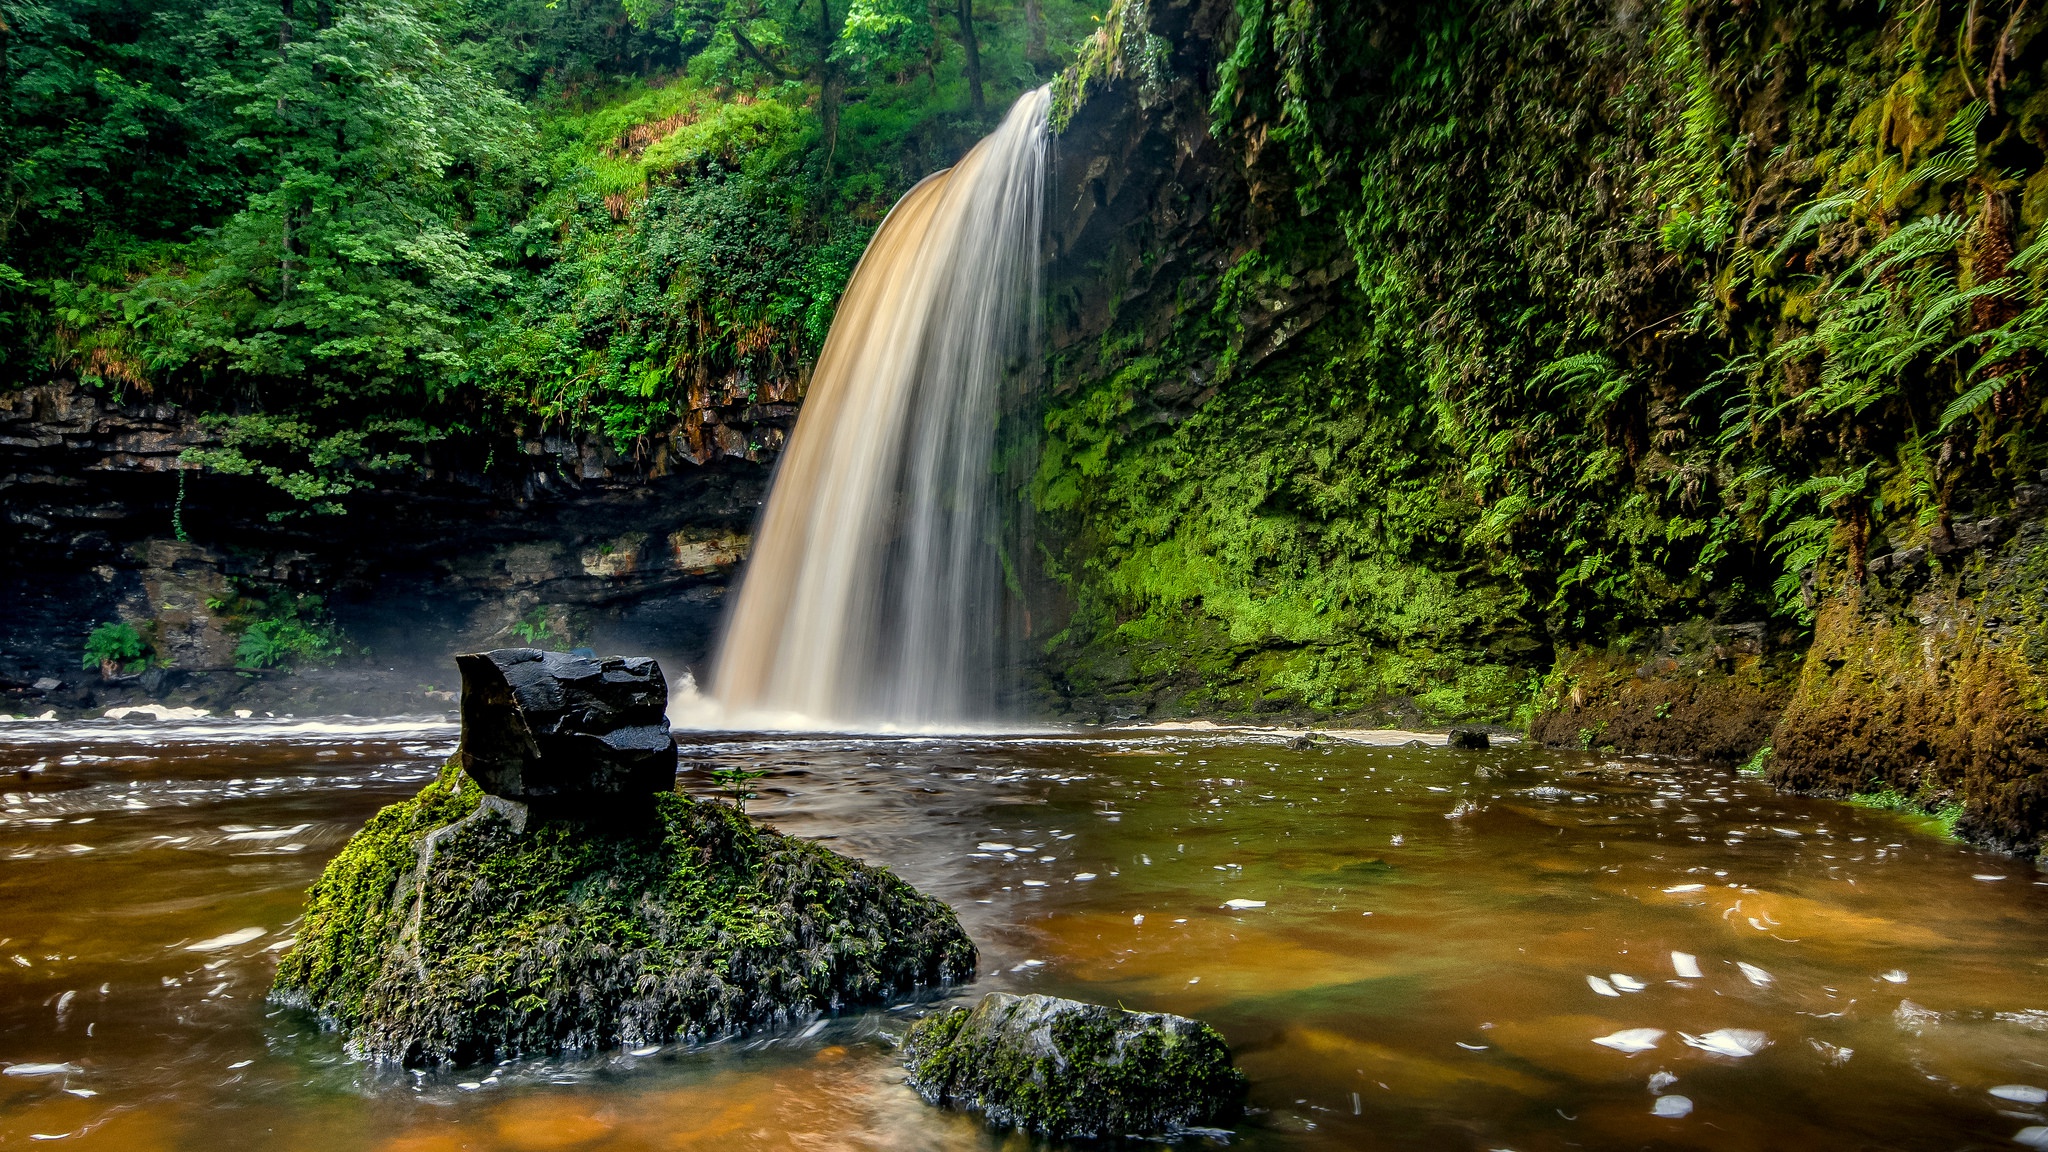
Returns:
<point x="1408" y="947"/>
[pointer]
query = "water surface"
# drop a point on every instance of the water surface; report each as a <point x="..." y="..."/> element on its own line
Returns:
<point x="1426" y="946"/>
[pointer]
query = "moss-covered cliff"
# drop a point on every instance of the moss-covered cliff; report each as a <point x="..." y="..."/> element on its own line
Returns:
<point x="1927" y="685"/>
<point x="1554" y="362"/>
<point x="1521" y="327"/>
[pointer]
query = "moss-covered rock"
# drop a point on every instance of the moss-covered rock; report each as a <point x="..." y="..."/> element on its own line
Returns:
<point x="1696" y="689"/>
<point x="1066" y="1069"/>
<point x="1927" y="686"/>
<point x="453" y="929"/>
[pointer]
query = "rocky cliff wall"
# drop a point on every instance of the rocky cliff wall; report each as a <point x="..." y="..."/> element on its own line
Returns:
<point x="569" y="544"/>
<point x="1927" y="683"/>
<point x="1400" y="370"/>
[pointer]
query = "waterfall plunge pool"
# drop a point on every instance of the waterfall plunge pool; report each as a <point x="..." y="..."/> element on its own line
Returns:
<point x="1407" y="947"/>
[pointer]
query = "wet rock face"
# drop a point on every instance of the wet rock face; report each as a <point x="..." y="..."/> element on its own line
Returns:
<point x="1065" y="1069"/>
<point x="552" y="727"/>
<point x="1698" y="689"/>
<point x="1930" y="681"/>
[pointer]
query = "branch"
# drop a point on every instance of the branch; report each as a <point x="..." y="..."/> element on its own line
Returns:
<point x="747" y="46"/>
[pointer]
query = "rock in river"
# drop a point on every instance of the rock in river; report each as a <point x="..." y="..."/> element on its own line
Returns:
<point x="1065" y="1069"/>
<point x="461" y="926"/>
<point x="554" y="728"/>
<point x="1466" y="737"/>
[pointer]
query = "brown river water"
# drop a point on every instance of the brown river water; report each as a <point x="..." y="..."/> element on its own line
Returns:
<point x="1434" y="944"/>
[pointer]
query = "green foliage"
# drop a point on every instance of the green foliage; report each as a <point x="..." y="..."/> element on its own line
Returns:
<point x="1674" y="317"/>
<point x="350" y="232"/>
<point x="277" y="628"/>
<point x="535" y="626"/>
<point x="1105" y="56"/>
<point x="1758" y="764"/>
<point x="115" y="645"/>
<point x="1938" y="818"/>
<point x="283" y="643"/>
<point x="737" y="784"/>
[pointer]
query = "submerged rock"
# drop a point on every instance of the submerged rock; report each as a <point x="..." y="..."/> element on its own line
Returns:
<point x="1066" y="1069"/>
<point x="461" y="926"/>
<point x="556" y="727"/>
<point x="1473" y="738"/>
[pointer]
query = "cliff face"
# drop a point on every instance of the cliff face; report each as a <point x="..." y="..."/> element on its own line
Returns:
<point x="1659" y="379"/>
<point x="570" y="544"/>
<point x="1927" y="684"/>
<point x="1178" y="290"/>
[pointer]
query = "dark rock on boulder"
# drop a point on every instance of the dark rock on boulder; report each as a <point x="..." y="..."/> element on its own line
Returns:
<point x="1067" y="1070"/>
<point x="1469" y="738"/>
<point x="553" y="727"/>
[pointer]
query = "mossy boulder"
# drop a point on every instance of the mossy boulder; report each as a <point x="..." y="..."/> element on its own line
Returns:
<point x="455" y="928"/>
<point x="1927" y="685"/>
<point x="1066" y="1069"/>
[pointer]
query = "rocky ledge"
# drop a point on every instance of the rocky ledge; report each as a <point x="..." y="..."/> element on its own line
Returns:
<point x="1068" y="1070"/>
<point x="461" y="926"/>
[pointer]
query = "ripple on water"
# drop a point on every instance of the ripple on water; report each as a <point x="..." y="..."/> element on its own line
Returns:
<point x="1386" y="975"/>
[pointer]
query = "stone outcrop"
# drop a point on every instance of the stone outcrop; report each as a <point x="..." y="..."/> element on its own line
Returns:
<point x="1469" y="738"/>
<point x="1929" y="682"/>
<point x="549" y="727"/>
<point x="547" y="539"/>
<point x="1699" y="689"/>
<point x="1925" y="683"/>
<point x="460" y="926"/>
<point x="1066" y="1070"/>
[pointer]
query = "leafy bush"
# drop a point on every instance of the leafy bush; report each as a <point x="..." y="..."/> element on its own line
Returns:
<point x="115" y="646"/>
<point x="284" y="643"/>
<point x="279" y="629"/>
<point x="535" y="626"/>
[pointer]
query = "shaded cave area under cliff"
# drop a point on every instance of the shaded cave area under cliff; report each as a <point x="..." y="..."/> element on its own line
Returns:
<point x="572" y="547"/>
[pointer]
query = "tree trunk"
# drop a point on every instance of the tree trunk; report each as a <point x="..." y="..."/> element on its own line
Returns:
<point x="831" y="85"/>
<point x="284" y="40"/>
<point x="973" y="65"/>
<point x="1034" y="37"/>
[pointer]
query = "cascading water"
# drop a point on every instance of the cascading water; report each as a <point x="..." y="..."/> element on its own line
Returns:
<point x="874" y="596"/>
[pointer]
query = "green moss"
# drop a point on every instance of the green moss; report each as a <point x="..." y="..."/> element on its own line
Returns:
<point x="1937" y="818"/>
<point x="1924" y="691"/>
<point x="1524" y="328"/>
<point x="1064" y="1069"/>
<point x="445" y="933"/>
<point x="1756" y="765"/>
<point x="351" y="909"/>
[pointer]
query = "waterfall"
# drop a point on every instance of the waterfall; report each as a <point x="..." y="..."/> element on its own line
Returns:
<point x="874" y="596"/>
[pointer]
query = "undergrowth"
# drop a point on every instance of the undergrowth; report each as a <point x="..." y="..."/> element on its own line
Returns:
<point x="1939" y="819"/>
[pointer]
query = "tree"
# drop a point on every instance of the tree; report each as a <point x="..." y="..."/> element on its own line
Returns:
<point x="340" y="293"/>
<point x="972" y="48"/>
<point x="780" y="40"/>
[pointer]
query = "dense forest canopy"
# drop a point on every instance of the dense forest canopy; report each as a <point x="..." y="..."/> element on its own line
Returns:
<point x="348" y="229"/>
